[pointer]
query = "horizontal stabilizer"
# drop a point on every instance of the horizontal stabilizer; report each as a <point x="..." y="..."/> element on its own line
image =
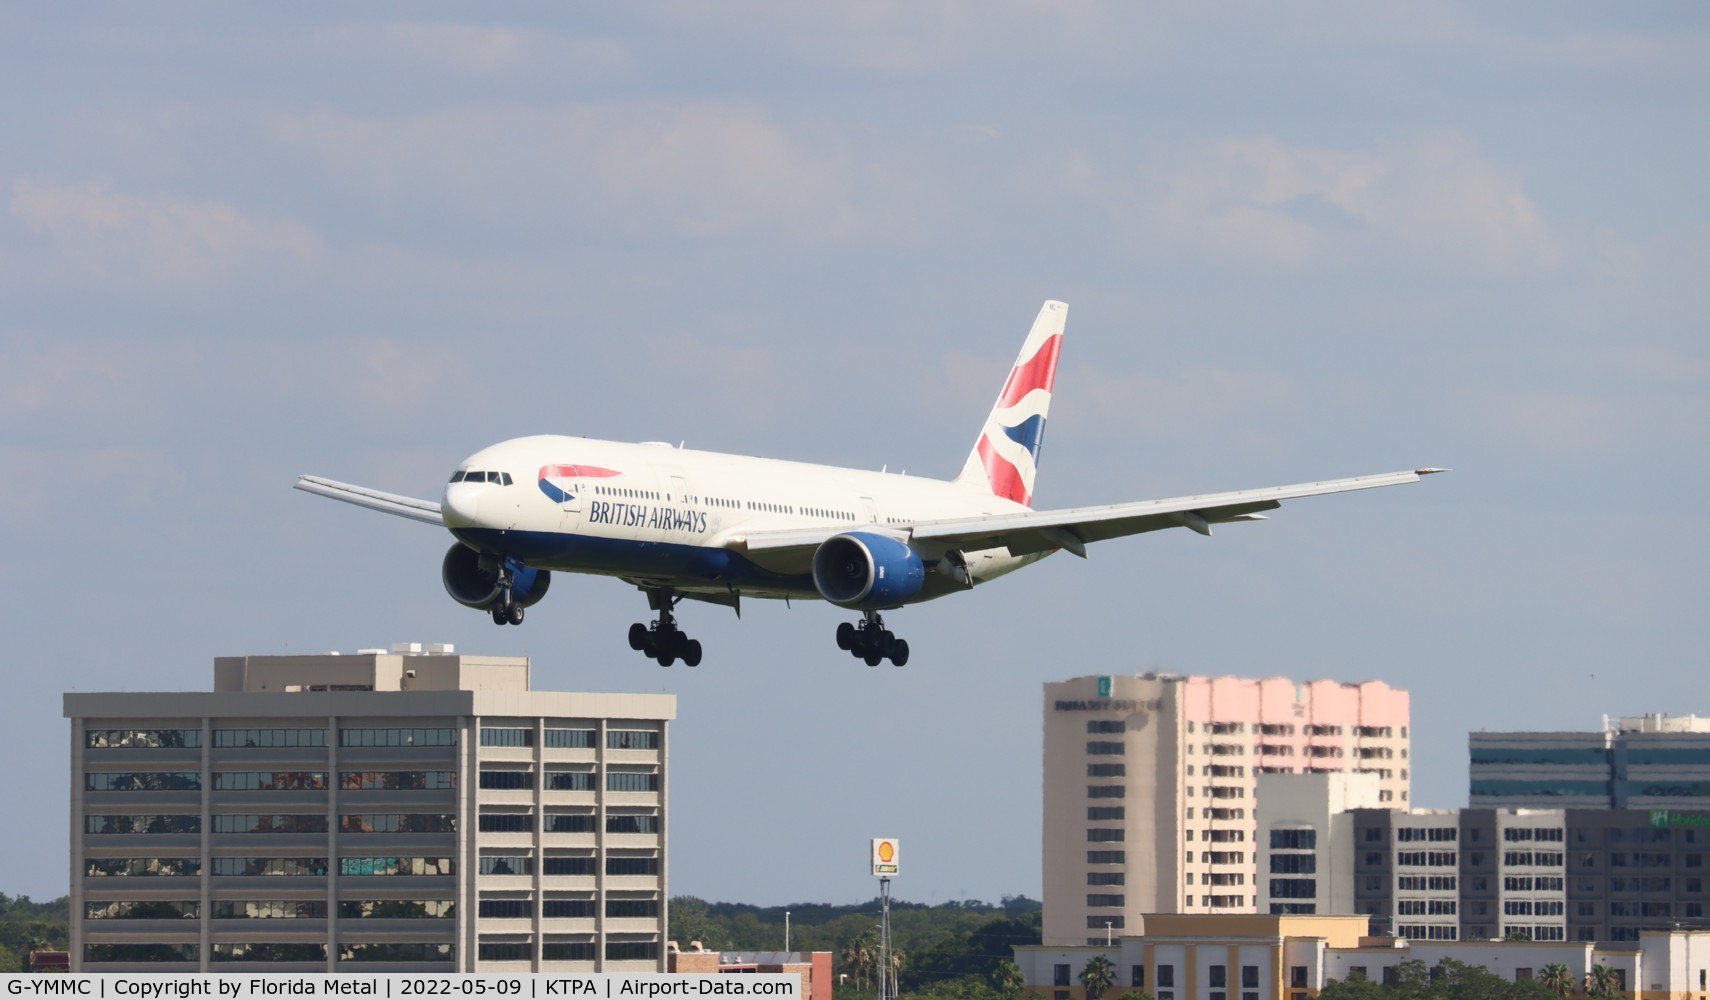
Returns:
<point x="388" y="503"/>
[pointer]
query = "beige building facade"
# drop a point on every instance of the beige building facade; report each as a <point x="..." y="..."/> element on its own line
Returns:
<point x="383" y="811"/>
<point x="1150" y="786"/>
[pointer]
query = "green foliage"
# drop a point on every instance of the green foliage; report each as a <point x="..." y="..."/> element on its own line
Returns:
<point x="1097" y="976"/>
<point x="958" y="946"/>
<point x="27" y="926"/>
<point x="1602" y="982"/>
<point x="1556" y="978"/>
<point x="1136" y="995"/>
<point x="1447" y="980"/>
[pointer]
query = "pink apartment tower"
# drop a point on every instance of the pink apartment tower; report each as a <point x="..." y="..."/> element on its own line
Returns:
<point x="1149" y="786"/>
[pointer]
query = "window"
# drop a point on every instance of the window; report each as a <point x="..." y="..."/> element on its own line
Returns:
<point x="1297" y="977"/>
<point x="397" y="909"/>
<point x="635" y="908"/>
<point x="1105" y="748"/>
<point x="144" y="824"/>
<point x="268" y="909"/>
<point x="632" y="866"/>
<point x="1099" y="835"/>
<point x="396" y="951"/>
<point x="567" y="865"/>
<point x="397" y="738"/>
<point x="1107" y="726"/>
<point x="632" y="739"/>
<point x="284" y="867"/>
<point x="567" y="780"/>
<point x="268" y="951"/>
<point x="507" y="822"/>
<point x="1095" y="791"/>
<point x="1300" y="840"/>
<point x="579" y="739"/>
<point x="1097" y="813"/>
<point x="142" y="910"/>
<point x="309" y="823"/>
<point x="1217" y="976"/>
<point x="500" y="778"/>
<point x="1166" y="977"/>
<point x="360" y="781"/>
<point x="1060" y="974"/>
<point x="269" y="781"/>
<point x="1107" y="770"/>
<point x="507" y="737"/>
<point x="1106" y="857"/>
<point x="142" y="781"/>
<point x="632" y="823"/>
<point x="507" y="864"/>
<point x="397" y="823"/>
<point x="165" y="867"/>
<point x="569" y="823"/>
<point x="396" y="866"/>
<point x="505" y="951"/>
<point x="142" y="739"/>
<point x="1104" y="899"/>
<point x="632" y="781"/>
<point x="1137" y="976"/>
<point x="269" y="738"/>
<point x="1249" y="977"/>
<point x="1294" y="864"/>
<point x="567" y="908"/>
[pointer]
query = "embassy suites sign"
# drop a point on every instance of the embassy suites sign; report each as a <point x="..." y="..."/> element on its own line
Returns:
<point x="1106" y="705"/>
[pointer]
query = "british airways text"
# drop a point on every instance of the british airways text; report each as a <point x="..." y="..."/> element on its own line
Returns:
<point x="628" y="515"/>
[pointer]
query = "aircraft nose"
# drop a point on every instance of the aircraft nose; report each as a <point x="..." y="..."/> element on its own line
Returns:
<point x="460" y="505"/>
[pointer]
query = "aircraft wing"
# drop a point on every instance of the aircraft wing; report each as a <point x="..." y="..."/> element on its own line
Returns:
<point x="1024" y="532"/>
<point x="390" y="503"/>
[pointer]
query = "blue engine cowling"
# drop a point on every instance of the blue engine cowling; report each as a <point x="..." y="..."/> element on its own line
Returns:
<point x="867" y="571"/>
<point x="472" y="579"/>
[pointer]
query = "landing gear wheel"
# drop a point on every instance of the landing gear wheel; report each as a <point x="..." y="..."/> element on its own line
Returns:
<point x="499" y="616"/>
<point x="638" y="637"/>
<point x="872" y="659"/>
<point x="846" y="635"/>
<point x="515" y="614"/>
<point x="886" y="641"/>
<point x="899" y="653"/>
<point x="692" y="653"/>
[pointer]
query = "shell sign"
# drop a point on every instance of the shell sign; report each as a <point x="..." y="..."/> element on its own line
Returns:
<point x="884" y="856"/>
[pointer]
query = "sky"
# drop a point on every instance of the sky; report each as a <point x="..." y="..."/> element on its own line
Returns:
<point x="239" y="243"/>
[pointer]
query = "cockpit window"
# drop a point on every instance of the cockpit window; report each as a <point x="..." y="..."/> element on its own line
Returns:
<point x="505" y="478"/>
<point x="457" y="477"/>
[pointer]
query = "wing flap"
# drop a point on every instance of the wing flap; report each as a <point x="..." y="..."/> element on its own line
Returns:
<point x="389" y="503"/>
<point x="1072" y="528"/>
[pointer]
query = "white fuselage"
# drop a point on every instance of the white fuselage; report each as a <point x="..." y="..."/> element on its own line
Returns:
<point x="677" y="517"/>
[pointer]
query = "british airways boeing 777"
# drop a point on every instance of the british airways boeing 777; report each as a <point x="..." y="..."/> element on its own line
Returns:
<point x="679" y="523"/>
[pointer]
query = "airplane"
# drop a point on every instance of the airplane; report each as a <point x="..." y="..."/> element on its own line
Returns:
<point x="684" y="524"/>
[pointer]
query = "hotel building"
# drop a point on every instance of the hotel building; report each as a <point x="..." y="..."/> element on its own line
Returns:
<point x="1637" y="762"/>
<point x="373" y="812"/>
<point x="1588" y="875"/>
<point x="1150" y="781"/>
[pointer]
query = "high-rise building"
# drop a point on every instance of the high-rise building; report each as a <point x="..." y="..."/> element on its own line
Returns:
<point x="1639" y="762"/>
<point x="1599" y="875"/>
<point x="374" y="812"/>
<point x="1149" y="785"/>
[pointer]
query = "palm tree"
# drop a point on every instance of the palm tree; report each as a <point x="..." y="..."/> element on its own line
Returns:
<point x="1556" y="978"/>
<point x="858" y="955"/>
<point x="1007" y="979"/>
<point x="1602" y="981"/>
<point x="1097" y="976"/>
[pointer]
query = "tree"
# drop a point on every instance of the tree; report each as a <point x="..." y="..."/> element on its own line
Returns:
<point x="1602" y="981"/>
<point x="1556" y="978"/>
<point x="1008" y="980"/>
<point x="1097" y="976"/>
<point x="1135" y="995"/>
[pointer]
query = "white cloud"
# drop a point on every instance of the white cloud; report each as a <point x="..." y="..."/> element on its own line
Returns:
<point x="706" y="169"/>
<point x="1431" y="200"/>
<point x="134" y="241"/>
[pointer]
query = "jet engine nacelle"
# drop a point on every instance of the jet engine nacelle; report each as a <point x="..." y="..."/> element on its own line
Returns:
<point x="866" y="571"/>
<point x="472" y="579"/>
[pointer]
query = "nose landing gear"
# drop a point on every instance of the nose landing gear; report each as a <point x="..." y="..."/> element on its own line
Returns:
<point x="869" y="640"/>
<point x="507" y="611"/>
<point x="664" y="642"/>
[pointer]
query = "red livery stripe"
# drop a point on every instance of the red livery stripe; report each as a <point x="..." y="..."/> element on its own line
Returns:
<point x="576" y="472"/>
<point x="1005" y="479"/>
<point x="1037" y="372"/>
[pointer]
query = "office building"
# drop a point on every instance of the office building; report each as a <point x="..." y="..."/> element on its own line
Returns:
<point x="374" y="812"/>
<point x="1252" y="957"/>
<point x="812" y="968"/>
<point x="1588" y="875"/>
<point x="1149" y="785"/>
<point x="1638" y="762"/>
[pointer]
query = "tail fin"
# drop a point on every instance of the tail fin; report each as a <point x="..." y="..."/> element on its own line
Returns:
<point x="1005" y="458"/>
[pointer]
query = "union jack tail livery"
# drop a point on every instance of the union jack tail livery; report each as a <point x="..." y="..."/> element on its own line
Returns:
<point x="1005" y="459"/>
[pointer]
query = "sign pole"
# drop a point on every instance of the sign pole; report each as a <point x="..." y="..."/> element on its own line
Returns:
<point x="885" y="867"/>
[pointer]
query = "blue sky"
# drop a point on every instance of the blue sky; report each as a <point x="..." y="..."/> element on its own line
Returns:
<point x="241" y="243"/>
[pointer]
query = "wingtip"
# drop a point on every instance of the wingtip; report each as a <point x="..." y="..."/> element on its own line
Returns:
<point x="1430" y="472"/>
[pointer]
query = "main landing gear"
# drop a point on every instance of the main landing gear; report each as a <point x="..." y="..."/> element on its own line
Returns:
<point x="664" y="641"/>
<point x="507" y="611"/>
<point x="871" y="641"/>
